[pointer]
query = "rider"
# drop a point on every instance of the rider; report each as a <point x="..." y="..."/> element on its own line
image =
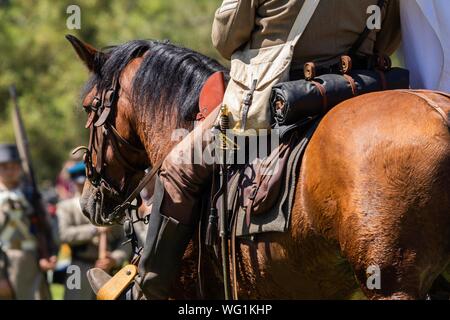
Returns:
<point x="331" y="32"/>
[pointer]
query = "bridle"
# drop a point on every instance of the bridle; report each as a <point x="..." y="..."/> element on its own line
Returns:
<point x="100" y="131"/>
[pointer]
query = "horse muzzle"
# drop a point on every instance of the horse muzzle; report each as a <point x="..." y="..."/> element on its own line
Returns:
<point x="99" y="205"/>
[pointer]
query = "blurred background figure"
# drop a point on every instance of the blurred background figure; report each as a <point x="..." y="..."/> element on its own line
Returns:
<point x="50" y="199"/>
<point x="426" y="42"/>
<point x="6" y="290"/>
<point x="90" y="246"/>
<point x="64" y="186"/>
<point x="18" y="240"/>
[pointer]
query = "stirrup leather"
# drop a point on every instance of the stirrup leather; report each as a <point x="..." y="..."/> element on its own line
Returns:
<point x="112" y="289"/>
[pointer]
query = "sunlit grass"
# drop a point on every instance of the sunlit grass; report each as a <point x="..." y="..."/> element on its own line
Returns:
<point x="57" y="291"/>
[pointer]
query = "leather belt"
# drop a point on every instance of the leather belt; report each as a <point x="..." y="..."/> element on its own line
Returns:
<point x="331" y="66"/>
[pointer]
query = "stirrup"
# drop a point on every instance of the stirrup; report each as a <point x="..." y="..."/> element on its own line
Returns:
<point x="112" y="289"/>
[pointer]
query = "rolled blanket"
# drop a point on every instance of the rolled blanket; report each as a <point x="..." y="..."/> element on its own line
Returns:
<point x="294" y="100"/>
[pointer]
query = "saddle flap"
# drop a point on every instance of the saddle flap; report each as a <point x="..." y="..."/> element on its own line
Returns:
<point x="211" y="95"/>
<point x="118" y="283"/>
<point x="262" y="193"/>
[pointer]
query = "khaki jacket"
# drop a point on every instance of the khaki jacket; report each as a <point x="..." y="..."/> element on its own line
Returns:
<point x="77" y="231"/>
<point x="332" y="30"/>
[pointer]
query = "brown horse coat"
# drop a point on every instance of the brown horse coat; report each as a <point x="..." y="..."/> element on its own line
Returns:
<point x="373" y="191"/>
<point x="373" y="194"/>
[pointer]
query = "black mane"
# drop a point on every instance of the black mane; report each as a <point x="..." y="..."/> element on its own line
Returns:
<point x="169" y="78"/>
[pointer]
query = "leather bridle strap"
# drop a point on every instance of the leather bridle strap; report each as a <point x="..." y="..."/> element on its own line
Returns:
<point x="129" y="146"/>
<point x="431" y="103"/>
<point x="124" y="141"/>
<point x="135" y="194"/>
<point x="100" y="131"/>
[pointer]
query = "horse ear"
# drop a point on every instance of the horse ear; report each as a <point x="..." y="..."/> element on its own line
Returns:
<point x="92" y="58"/>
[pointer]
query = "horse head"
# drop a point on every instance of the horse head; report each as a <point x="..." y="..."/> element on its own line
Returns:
<point x="115" y="157"/>
<point x="138" y="94"/>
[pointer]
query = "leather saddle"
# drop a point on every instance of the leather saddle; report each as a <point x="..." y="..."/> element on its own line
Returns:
<point x="255" y="186"/>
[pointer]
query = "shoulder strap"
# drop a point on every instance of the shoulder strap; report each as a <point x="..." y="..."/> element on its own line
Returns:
<point x="302" y="20"/>
<point x="363" y="36"/>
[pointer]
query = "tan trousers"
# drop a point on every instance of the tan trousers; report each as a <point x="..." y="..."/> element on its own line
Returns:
<point x="185" y="171"/>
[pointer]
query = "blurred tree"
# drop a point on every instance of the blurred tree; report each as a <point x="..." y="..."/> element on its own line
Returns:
<point x="36" y="57"/>
<point x="49" y="77"/>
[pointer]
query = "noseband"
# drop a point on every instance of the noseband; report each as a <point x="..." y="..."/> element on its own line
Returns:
<point x="100" y="130"/>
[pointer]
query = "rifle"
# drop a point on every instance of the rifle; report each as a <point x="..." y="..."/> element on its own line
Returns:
<point x="43" y="232"/>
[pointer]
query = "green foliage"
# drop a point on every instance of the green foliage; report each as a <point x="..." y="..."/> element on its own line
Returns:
<point x="49" y="77"/>
<point x="57" y="291"/>
<point x="36" y="57"/>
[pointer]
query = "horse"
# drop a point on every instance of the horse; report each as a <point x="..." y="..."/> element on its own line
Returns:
<point x="372" y="200"/>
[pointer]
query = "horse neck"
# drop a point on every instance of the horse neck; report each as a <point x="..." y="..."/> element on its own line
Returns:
<point x="156" y="133"/>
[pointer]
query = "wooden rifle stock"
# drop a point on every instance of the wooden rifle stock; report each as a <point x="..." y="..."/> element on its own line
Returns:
<point x="102" y="244"/>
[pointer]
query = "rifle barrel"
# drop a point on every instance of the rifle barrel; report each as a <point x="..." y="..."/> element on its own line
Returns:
<point x="44" y="236"/>
<point x="22" y="140"/>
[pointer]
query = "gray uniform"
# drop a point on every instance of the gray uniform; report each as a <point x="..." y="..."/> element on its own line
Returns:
<point x="82" y="237"/>
<point x="19" y="245"/>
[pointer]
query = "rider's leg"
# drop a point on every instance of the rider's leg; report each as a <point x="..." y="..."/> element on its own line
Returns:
<point x="174" y="213"/>
<point x="174" y="217"/>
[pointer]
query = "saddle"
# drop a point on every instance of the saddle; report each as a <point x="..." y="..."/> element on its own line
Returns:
<point x="260" y="190"/>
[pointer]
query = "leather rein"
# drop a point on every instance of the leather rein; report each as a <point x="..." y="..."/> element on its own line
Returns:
<point x="100" y="130"/>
